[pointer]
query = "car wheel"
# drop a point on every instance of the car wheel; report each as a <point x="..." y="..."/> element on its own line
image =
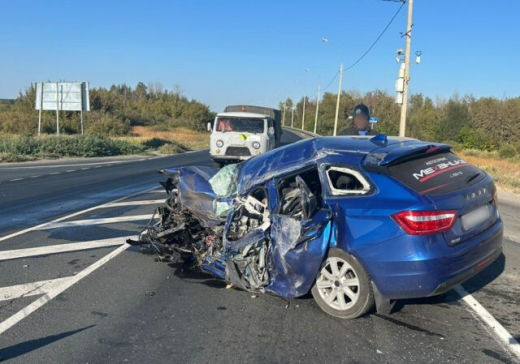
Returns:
<point x="342" y="287"/>
<point x="217" y="164"/>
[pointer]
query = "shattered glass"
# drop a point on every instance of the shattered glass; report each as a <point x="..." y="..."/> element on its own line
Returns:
<point x="225" y="182"/>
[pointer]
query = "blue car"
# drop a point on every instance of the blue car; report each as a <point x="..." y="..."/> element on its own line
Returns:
<point x="357" y="221"/>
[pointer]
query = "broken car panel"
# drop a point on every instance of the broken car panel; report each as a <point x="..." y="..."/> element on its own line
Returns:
<point x="356" y="220"/>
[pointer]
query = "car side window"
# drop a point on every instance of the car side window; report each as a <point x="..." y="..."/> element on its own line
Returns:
<point x="300" y="194"/>
<point x="346" y="181"/>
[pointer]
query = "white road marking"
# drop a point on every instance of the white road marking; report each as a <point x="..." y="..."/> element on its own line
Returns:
<point x="62" y="248"/>
<point x="37" y="227"/>
<point x="31" y="289"/>
<point x="35" y="176"/>
<point x="69" y="165"/>
<point x="16" y="179"/>
<point x="84" y="169"/>
<point x="89" y="222"/>
<point x="503" y="335"/>
<point x="135" y="203"/>
<point x="71" y="170"/>
<point x="26" y="311"/>
<point x="55" y="173"/>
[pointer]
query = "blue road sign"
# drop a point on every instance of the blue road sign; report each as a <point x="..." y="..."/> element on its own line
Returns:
<point x="373" y="119"/>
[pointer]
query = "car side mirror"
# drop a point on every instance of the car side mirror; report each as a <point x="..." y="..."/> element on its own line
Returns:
<point x="209" y="126"/>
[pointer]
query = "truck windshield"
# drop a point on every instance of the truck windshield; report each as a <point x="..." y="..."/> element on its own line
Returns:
<point x="243" y="125"/>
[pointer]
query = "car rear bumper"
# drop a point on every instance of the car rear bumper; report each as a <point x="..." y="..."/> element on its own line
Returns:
<point x="427" y="266"/>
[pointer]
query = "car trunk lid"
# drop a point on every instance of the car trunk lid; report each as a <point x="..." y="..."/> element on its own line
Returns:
<point x="448" y="181"/>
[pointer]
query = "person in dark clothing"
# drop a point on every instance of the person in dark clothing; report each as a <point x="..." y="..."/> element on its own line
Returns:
<point x="360" y="122"/>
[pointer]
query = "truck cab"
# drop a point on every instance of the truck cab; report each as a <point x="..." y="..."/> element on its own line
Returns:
<point x="239" y="135"/>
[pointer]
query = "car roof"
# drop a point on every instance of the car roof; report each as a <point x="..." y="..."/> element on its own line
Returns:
<point x="243" y="115"/>
<point x="299" y="155"/>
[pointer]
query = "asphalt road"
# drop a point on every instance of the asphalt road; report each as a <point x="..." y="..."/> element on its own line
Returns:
<point x="111" y="304"/>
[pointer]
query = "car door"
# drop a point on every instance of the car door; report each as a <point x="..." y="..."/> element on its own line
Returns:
<point x="299" y="234"/>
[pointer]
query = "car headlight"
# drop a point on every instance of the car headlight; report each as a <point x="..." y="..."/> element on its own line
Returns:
<point x="220" y="143"/>
<point x="256" y="145"/>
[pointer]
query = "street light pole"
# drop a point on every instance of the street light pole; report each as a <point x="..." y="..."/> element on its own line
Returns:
<point x="317" y="109"/>
<point x="292" y="117"/>
<point x="283" y="118"/>
<point x="317" y="98"/>
<point x="337" y="102"/>
<point x="408" y="35"/>
<point x="303" y="114"/>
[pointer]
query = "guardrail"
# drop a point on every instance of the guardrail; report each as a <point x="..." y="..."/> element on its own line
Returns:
<point x="303" y="133"/>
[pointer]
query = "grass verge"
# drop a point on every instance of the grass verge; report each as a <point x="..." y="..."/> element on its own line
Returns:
<point x="506" y="172"/>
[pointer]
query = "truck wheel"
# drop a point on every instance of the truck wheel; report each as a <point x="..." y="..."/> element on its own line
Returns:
<point x="342" y="287"/>
<point x="217" y="164"/>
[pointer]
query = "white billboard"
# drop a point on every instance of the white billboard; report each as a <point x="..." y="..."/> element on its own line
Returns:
<point x="62" y="96"/>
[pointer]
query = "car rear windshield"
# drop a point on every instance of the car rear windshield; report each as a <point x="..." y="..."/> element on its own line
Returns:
<point x="437" y="174"/>
<point x="243" y="125"/>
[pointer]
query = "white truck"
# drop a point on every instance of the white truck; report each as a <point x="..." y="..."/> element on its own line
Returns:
<point x="243" y="131"/>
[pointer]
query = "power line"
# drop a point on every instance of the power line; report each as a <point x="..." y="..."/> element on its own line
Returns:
<point x="377" y="39"/>
<point x="331" y="81"/>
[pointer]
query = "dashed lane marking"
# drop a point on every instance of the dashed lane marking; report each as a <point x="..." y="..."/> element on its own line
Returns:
<point x="89" y="222"/>
<point x="38" y="227"/>
<point x="16" y="179"/>
<point x="26" y="311"/>
<point x="31" y="289"/>
<point x="62" y="248"/>
<point x="135" y="203"/>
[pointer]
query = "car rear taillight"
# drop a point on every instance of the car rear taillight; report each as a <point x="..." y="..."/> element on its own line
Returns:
<point x="495" y="198"/>
<point x="425" y="222"/>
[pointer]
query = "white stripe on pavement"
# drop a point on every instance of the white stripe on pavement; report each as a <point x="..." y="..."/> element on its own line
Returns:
<point x="89" y="222"/>
<point x="503" y="335"/>
<point x="135" y="203"/>
<point x="62" y="248"/>
<point x="37" y="227"/>
<point x="31" y="289"/>
<point x="26" y="311"/>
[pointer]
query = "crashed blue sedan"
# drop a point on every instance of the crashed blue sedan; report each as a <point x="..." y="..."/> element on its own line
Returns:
<point x="357" y="221"/>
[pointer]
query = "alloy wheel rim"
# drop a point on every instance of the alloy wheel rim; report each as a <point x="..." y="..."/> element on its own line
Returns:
<point x="338" y="284"/>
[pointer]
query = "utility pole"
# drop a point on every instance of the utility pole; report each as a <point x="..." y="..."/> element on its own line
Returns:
<point x="408" y="35"/>
<point x="303" y="115"/>
<point x="337" y="102"/>
<point x="317" y="109"/>
<point x="292" y="117"/>
<point x="283" y="119"/>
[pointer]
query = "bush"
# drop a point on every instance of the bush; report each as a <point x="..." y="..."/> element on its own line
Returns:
<point x="101" y="123"/>
<point x="507" y="151"/>
<point x="475" y="139"/>
<point x="66" y="146"/>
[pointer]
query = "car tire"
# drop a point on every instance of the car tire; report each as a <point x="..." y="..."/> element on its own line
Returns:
<point x="217" y="164"/>
<point x="342" y="288"/>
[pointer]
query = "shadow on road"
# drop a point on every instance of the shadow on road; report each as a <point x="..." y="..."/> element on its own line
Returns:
<point x="487" y="276"/>
<point x="14" y="351"/>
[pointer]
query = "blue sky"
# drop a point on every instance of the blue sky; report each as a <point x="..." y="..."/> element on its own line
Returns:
<point x="255" y="52"/>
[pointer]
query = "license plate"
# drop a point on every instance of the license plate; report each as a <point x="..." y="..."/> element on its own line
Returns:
<point x="475" y="217"/>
